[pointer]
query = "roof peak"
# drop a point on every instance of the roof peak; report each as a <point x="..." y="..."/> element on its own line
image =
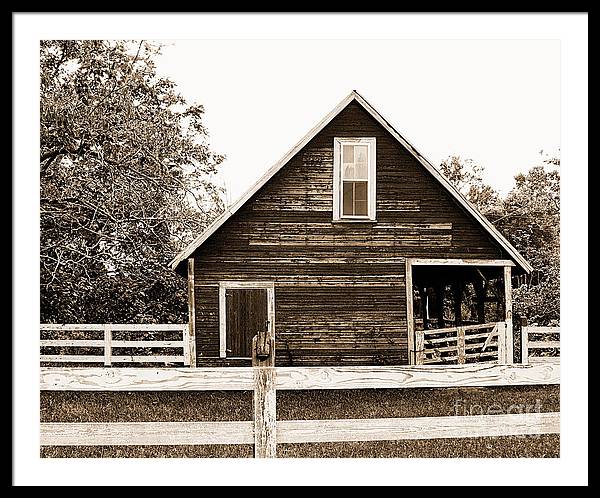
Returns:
<point x="353" y="95"/>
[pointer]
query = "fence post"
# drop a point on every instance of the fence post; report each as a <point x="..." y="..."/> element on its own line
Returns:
<point x="265" y="396"/>
<point x="524" y="342"/>
<point x="502" y="343"/>
<point x="460" y="344"/>
<point x="186" y="345"/>
<point x="508" y="357"/>
<point x="107" y="345"/>
<point x="419" y="347"/>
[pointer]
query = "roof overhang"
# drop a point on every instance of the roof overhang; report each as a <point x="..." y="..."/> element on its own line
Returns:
<point x="353" y="96"/>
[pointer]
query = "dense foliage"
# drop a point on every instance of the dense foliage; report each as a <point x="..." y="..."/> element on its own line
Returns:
<point x="529" y="217"/>
<point x="126" y="179"/>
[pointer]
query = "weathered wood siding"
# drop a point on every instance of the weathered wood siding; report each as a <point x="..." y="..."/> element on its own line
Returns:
<point x="339" y="286"/>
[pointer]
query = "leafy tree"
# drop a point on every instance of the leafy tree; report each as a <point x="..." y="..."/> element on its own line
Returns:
<point x="126" y="179"/>
<point x="467" y="177"/>
<point x="529" y="217"/>
<point x="531" y="222"/>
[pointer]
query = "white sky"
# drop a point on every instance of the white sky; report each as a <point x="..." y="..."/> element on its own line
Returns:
<point x="494" y="101"/>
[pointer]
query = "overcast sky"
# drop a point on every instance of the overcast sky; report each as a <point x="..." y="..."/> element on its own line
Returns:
<point x="494" y="101"/>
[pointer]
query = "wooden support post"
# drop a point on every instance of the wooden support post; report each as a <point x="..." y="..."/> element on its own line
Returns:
<point x="460" y="344"/>
<point x="508" y="314"/>
<point x="410" y="319"/>
<point x="524" y="342"/>
<point x="265" y="395"/>
<point x="191" y="334"/>
<point x="425" y="308"/>
<point x="222" y="321"/>
<point x="107" y="345"/>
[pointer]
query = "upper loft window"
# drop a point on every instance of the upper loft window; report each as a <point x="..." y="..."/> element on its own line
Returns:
<point x="354" y="179"/>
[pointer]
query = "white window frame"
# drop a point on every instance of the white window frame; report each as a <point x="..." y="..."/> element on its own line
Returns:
<point x="338" y="143"/>
<point x="230" y="284"/>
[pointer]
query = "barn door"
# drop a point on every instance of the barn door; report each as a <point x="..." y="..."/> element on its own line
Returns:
<point x="246" y="315"/>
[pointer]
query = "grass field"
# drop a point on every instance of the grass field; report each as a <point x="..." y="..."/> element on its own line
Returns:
<point x="59" y="406"/>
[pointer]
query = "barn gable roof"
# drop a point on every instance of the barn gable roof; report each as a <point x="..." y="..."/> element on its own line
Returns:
<point x="353" y="96"/>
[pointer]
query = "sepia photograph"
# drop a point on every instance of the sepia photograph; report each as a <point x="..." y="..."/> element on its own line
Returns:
<point x="300" y="248"/>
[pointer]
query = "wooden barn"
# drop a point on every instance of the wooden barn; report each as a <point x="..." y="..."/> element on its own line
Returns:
<point x="352" y="250"/>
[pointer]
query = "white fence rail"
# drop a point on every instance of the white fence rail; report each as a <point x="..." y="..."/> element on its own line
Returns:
<point x="536" y="338"/>
<point x="298" y="378"/>
<point x="108" y="343"/>
<point x="298" y="431"/>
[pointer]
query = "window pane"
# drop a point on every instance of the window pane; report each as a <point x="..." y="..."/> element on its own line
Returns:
<point x="361" y="161"/>
<point x="355" y="199"/>
<point x="348" y="153"/>
<point x="348" y="171"/>
<point x="360" y="208"/>
<point x="348" y="161"/>
<point x="348" y="198"/>
<point x="360" y="191"/>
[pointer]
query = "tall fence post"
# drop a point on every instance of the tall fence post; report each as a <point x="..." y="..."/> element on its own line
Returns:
<point x="419" y="347"/>
<point x="524" y="341"/>
<point x="265" y="396"/>
<point x="107" y="345"/>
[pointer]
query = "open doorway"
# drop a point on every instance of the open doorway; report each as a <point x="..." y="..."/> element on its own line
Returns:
<point x="458" y="311"/>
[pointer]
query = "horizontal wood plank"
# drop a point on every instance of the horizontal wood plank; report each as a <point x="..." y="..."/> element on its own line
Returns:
<point x="297" y="431"/>
<point x="543" y="359"/>
<point x="466" y="328"/>
<point x="482" y="354"/>
<point x="145" y="433"/>
<point x="543" y="330"/>
<point x="543" y="344"/>
<point x="147" y="359"/>
<point x="119" y="327"/>
<point x="146" y="379"/>
<point x="66" y="358"/>
<point x="87" y="343"/>
<point x="460" y="262"/>
<point x="298" y="378"/>
<point x="393" y="429"/>
<point x="440" y="340"/>
<point x="416" y="376"/>
<point x="73" y="343"/>
<point x="147" y="344"/>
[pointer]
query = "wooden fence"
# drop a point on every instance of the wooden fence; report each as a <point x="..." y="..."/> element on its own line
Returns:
<point x="63" y="338"/>
<point x="459" y="345"/>
<point x="536" y="338"/>
<point x="265" y="432"/>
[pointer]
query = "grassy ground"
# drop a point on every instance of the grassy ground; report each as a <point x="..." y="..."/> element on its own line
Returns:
<point x="485" y="447"/>
<point x="190" y="406"/>
<point x="81" y="406"/>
